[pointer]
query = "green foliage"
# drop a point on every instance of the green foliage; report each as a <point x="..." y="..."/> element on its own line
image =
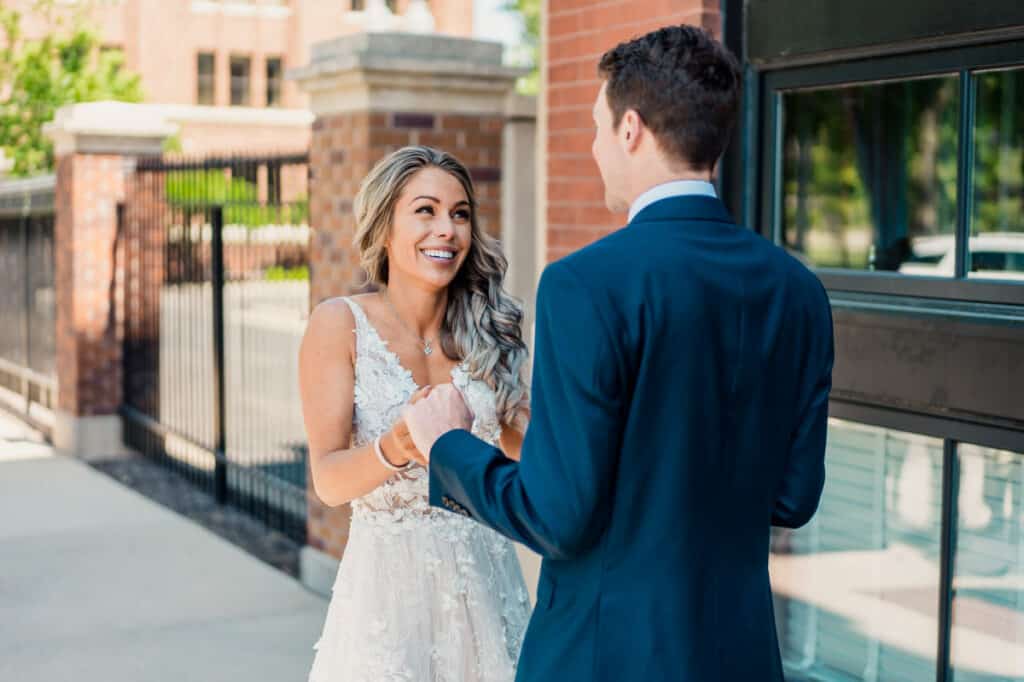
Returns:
<point x="531" y="13"/>
<point x="198" y="190"/>
<point x="172" y="144"/>
<point x="999" y="153"/>
<point x="279" y="273"/>
<point x="39" y="76"/>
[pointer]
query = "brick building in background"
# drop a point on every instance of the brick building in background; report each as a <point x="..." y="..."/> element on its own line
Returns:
<point x="217" y="67"/>
<point x="578" y="33"/>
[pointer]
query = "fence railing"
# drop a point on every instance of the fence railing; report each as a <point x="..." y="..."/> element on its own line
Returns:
<point x="28" y="304"/>
<point x="216" y="293"/>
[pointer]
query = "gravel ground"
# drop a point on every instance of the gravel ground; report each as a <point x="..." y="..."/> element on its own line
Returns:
<point x="168" y="488"/>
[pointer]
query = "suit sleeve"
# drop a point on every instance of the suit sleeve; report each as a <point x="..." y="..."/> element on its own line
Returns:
<point x="556" y="500"/>
<point x="804" y="476"/>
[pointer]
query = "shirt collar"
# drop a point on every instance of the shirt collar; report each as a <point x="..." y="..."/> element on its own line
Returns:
<point x="671" y="189"/>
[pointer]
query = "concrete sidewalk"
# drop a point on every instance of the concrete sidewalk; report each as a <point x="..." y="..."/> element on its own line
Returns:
<point x="97" y="583"/>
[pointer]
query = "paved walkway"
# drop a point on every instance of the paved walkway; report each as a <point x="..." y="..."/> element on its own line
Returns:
<point x="97" y="583"/>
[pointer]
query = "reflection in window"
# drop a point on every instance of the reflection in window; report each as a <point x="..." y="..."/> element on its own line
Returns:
<point x="988" y="582"/>
<point x="869" y="176"/>
<point x="856" y="590"/>
<point x="996" y="248"/>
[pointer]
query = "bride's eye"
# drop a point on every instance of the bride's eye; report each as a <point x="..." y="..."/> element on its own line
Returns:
<point x="428" y="209"/>
<point x="462" y="214"/>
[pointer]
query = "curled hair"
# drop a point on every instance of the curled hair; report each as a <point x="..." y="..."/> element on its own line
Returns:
<point x="483" y="323"/>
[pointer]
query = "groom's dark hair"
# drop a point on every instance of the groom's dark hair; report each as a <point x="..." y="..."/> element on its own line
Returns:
<point x="684" y="84"/>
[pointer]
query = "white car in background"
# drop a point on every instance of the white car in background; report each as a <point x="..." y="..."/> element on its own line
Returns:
<point x="993" y="255"/>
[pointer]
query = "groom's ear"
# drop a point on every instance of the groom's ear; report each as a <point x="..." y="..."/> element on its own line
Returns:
<point x="631" y="129"/>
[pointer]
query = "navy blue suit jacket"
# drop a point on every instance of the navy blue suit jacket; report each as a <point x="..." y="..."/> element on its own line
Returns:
<point x="679" y="405"/>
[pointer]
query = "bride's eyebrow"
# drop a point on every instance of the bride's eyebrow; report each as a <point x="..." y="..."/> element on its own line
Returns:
<point x="424" y="196"/>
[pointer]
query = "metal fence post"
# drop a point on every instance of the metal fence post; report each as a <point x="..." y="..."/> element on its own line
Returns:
<point x="26" y="384"/>
<point x="220" y="474"/>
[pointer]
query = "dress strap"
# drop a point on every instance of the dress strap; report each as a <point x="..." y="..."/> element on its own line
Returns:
<point x="357" y="312"/>
<point x="363" y="327"/>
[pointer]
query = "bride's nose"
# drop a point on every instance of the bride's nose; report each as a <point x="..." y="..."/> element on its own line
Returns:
<point x="444" y="227"/>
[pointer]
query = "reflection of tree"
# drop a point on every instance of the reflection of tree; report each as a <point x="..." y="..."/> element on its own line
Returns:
<point x="870" y="167"/>
<point x="999" y="153"/>
<point x="824" y="192"/>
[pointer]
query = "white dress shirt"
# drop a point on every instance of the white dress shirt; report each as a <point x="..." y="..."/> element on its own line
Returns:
<point x="674" y="188"/>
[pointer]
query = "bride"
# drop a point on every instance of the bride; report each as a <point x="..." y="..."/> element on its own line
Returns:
<point x="422" y="594"/>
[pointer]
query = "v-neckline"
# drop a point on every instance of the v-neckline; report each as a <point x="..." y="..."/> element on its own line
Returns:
<point x="386" y="346"/>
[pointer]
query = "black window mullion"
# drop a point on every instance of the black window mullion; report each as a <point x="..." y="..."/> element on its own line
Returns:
<point x="776" y="129"/>
<point x="965" y="171"/>
<point x="947" y="565"/>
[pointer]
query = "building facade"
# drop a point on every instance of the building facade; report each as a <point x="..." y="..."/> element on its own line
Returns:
<point x="217" y="68"/>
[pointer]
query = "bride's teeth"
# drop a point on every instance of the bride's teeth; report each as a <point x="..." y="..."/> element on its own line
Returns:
<point x="440" y="254"/>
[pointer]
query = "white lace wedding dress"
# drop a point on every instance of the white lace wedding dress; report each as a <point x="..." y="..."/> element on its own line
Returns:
<point x="422" y="594"/>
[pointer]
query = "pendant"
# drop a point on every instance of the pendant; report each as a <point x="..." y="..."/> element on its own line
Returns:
<point x="427" y="348"/>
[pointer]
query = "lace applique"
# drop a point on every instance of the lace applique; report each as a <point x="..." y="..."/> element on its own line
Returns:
<point x="422" y="595"/>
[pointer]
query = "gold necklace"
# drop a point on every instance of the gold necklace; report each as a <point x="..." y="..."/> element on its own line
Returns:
<point x="427" y="344"/>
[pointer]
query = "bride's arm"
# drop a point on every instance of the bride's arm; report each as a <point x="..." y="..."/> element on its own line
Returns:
<point x="340" y="472"/>
<point x="511" y="441"/>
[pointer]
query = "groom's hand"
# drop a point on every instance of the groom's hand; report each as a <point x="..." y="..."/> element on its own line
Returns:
<point x="443" y="410"/>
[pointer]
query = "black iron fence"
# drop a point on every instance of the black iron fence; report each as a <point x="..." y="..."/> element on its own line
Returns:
<point x="27" y="300"/>
<point x="216" y="292"/>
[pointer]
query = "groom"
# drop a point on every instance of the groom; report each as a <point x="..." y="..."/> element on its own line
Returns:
<point x="680" y="397"/>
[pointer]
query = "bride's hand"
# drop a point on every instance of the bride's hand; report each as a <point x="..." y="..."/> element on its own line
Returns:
<point x="400" y="441"/>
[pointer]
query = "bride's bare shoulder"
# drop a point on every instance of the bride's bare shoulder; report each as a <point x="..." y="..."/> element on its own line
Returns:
<point x="331" y="326"/>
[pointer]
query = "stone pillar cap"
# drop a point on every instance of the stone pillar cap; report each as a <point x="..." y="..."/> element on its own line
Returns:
<point x="407" y="72"/>
<point x="109" y="128"/>
<point x="411" y="52"/>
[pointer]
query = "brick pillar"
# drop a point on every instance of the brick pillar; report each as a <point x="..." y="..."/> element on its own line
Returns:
<point x="93" y="142"/>
<point x="578" y="33"/>
<point x="372" y="94"/>
<point x="142" y="263"/>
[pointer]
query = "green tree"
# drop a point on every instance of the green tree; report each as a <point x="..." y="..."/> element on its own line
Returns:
<point x="531" y="13"/>
<point x="39" y="76"/>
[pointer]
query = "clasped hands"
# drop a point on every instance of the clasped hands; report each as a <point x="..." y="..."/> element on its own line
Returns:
<point x="432" y="412"/>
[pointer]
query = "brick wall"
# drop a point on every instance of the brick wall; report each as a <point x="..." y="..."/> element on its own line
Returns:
<point x="143" y="262"/>
<point x="579" y="32"/>
<point x="344" y="148"/>
<point x="88" y="345"/>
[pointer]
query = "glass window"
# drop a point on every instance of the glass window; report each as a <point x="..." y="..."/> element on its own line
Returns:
<point x="205" y="92"/>
<point x="857" y="590"/>
<point x="996" y="247"/>
<point x="240" y="77"/>
<point x="360" y="5"/>
<point x="869" y="175"/>
<point x="988" y="582"/>
<point x="275" y="78"/>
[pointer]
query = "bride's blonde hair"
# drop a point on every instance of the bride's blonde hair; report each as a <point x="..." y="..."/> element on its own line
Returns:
<point x="483" y="323"/>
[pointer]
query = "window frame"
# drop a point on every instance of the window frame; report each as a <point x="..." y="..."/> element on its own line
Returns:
<point x="965" y="63"/>
<point x="268" y="81"/>
<point x="248" y="80"/>
<point x="212" y="78"/>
